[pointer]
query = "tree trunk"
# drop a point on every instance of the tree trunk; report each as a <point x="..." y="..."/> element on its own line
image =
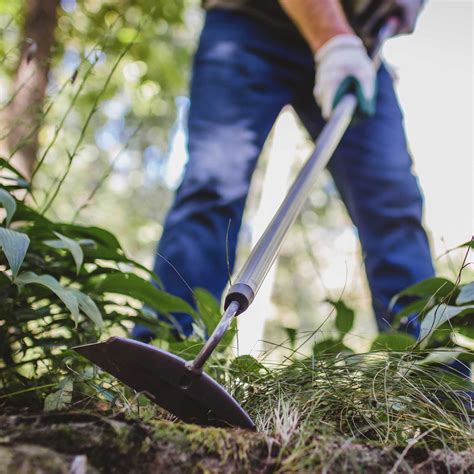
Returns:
<point x="24" y="114"/>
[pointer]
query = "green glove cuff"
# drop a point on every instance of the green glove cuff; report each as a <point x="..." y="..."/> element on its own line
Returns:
<point x="350" y="85"/>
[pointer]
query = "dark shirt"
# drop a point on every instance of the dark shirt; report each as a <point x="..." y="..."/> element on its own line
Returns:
<point x="272" y="13"/>
<point x="269" y="11"/>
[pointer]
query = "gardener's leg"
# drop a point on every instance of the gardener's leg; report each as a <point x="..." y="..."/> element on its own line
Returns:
<point x="236" y="96"/>
<point x="373" y="172"/>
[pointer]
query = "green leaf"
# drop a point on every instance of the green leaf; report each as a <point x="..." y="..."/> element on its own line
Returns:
<point x="455" y="382"/>
<point x="101" y="236"/>
<point x="462" y="341"/>
<point x="88" y="307"/>
<point x="129" y="284"/>
<point x="5" y="164"/>
<point x="344" y="316"/>
<point x="466" y="295"/>
<point x="14" y="245"/>
<point x="9" y="182"/>
<point x="393" y="342"/>
<point x="59" y="244"/>
<point x="469" y="243"/>
<point x="441" y="287"/>
<point x="415" y="308"/>
<point x="247" y="363"/>
<point x="66" y="296"/>
<point x="291" y="333"/>
<point x="247" y="368"/>
<point x="9" y="203"/>
<point x="467" y="331"/>
<point x="331" y="346"/>
<point x="60" y="399"/>
<point x="467" y="356"/>
<point x="209" y="308"/>
<point x="74" y="248"/>
<point x="104" y="253"/>
<point x="186" y="349"/>
<point x="27" y="214"/>
<point x="438" y="316"/>
<point x="441" y="356"/>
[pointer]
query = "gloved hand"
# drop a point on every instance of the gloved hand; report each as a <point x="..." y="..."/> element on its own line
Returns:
<point x="342" y="65"/>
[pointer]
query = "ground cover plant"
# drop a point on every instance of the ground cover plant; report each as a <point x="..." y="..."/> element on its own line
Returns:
<point x="64" y="285"/>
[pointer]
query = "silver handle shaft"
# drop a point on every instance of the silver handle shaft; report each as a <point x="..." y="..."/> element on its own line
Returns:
<point x="266" y="250"/>
<point x="255" y="269"/>
<point x="258" y="264"/>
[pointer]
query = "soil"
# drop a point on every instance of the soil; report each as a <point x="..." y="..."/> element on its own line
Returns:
<point x="90" y="442"/>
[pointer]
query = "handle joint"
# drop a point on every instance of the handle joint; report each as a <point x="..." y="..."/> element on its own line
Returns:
<point x="242" y="294"/>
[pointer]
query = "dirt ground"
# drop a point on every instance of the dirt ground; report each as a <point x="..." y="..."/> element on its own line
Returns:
<point x="88" y="442"/>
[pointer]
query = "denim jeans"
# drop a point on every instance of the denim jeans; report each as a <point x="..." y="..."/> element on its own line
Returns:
<point x="244" y="73"/>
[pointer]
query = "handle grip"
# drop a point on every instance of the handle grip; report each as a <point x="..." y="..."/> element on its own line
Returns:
<point x="255" y="269"/>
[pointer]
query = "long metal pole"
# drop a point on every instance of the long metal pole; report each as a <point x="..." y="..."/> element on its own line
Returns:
<point x="255" y="269"/>
<point x="266" y="250"/>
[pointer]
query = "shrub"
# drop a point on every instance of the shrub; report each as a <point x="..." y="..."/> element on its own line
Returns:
<point x="62" y="285"/>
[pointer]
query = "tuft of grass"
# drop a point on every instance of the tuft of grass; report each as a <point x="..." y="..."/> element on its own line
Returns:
<point x="381" y="398"/>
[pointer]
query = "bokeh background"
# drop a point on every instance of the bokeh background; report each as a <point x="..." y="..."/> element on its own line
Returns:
<point x="112" y="146"/>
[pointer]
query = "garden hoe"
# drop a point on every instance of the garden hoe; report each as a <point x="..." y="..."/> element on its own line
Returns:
<point x="182" y="387"/>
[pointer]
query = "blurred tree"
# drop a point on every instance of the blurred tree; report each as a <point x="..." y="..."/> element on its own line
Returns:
<point x="99" y="32"/>
<point x="23" y="115"/>
<point x="116" y="68"/>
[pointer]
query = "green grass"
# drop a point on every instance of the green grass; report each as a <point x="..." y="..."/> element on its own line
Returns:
<point x="381" y="399"/>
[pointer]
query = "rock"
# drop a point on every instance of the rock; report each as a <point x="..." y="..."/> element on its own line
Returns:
<point x="33" y="459"/>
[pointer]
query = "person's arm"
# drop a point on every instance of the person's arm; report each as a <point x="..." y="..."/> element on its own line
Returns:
<point x="317" y="20"/>
<point x="342" y="63"/>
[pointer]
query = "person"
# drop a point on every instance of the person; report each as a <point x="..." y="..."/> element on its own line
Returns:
<point x="255" y="57"/>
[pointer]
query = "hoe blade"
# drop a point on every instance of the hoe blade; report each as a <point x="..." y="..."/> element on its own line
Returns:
<point x="164" y="378"/>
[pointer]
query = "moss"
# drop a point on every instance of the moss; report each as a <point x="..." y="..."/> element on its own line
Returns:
<point x="216" y="449"/>
<point x="332" y="455"/>
<point x="50" y="443"/>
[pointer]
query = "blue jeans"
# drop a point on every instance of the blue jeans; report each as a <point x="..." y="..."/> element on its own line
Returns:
<point x="244" y="73"/>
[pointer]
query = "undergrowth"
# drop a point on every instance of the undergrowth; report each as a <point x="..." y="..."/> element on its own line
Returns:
<point x="382" y="398"/>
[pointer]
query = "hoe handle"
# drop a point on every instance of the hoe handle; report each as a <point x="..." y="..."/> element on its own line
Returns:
<point x="242" y="292"/>
<point x="255" y="269"/>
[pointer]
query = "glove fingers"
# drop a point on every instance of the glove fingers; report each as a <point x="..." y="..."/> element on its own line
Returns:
<point x="323" y="92"/>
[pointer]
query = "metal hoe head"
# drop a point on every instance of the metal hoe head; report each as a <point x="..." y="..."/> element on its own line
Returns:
<point x="192" y="396"/>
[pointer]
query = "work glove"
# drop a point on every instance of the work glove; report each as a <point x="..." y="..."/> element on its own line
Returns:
<point x="367" y="16"/>
<point x="342" y="66"/>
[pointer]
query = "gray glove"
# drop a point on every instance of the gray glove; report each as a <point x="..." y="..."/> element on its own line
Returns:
<point x="367" y="16"/>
